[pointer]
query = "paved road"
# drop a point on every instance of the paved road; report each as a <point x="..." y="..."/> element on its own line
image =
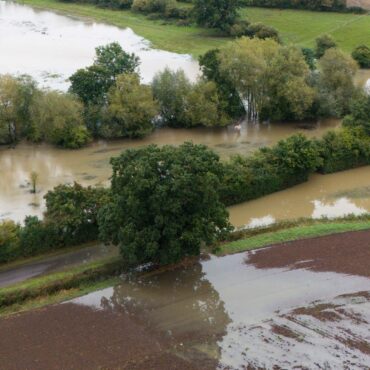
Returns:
<point x="55" y="263"/>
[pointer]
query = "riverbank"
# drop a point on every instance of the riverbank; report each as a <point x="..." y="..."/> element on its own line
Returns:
<point x="295" y="26"/>
<point x="303" y="303"/>
<point x="61" y="286"/>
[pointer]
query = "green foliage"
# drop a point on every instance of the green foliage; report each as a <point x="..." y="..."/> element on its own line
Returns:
<point x="91" y="84"/>
<point x="9" y="240"/>
<point x="323" y="43"/>
<point x="73" y="210"/>
<point x="183" y="104"/>
<point x="131" y="108"/>
<point x="309" y="56"/>
<point x="165" y="203"/>
<point x="219" y="14"/>
<point x="320" y="5"/>
<point x="229" y="98"/>
<point x="171" y="89"/>
<point x="336" y="82"/>
<point x="362" y="56"/>
<point x="359" y="114"/>
<point x="58" y="118"/>
<point x="16" y="98"/>
<point x="344" y="150"/>
<point x="270" y="169"/>
<point x="203" y="106"/>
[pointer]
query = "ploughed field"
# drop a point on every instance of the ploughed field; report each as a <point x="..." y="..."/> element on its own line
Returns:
<point x="303" y="304"/>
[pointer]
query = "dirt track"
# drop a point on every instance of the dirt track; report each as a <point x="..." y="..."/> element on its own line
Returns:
<point x="118" y="335"/>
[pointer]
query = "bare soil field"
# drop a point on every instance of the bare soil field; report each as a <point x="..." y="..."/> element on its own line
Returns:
<point x="301" y="305"/>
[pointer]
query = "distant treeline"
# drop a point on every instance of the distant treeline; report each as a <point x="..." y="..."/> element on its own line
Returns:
<point x="319" y="5"/>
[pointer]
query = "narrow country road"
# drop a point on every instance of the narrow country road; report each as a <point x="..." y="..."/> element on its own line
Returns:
<point x="54" y="263"/>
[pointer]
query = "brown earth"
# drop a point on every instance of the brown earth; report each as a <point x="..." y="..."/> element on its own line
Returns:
<point x="69" y="336"/>
<point x="365" y="4"/>
<point x="347" y="253"/>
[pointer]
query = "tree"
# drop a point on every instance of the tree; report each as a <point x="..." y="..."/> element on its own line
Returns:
<point x="289" y="95"/>
<point x="309" y="56"/>
<point x="219" y="14"/>
<point x="73" y="210"/>
<point x="336" y="82"/>
<point x="229" y="97"/>
<point x="171" y="89"/>
<point x="34" y="177"/>
<point x="16" y="97"/>
<point x="362" y="56"/>
<point x="246" y="63"/>
<point x="203" y="106"/>
<point x="165" y="203"/>
<point x="57" y="118"/>
<point x="359" y="114"/>
<point x="131" y="108"/>
<point x="91" y="84"/>
<point x="324" y="43"/>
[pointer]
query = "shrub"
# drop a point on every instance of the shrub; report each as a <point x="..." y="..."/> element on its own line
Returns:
<point x="343" y="150"/>
<point x="362" y="56"/>
<point x="9" y="240"/>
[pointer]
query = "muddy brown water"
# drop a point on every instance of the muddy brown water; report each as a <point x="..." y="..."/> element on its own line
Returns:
<point x="333" y="195"/>
<point x="243" y="311"/>
<point x="90" y="166"/>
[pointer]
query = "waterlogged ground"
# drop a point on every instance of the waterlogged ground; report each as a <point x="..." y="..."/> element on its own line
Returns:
<point x="51" y="47"/>
<point x="300" y="305"/>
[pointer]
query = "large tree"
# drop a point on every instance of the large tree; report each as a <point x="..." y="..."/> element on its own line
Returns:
<point x="219" y="14"/>
<point x="165" y="203"/>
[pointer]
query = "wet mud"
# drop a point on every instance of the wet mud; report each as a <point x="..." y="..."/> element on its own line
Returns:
<point x="232" y="312"/>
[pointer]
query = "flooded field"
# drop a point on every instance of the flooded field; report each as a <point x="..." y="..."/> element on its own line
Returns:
<point x="90" y="166"/>
<point x="55" y="46"/>
<point x="303" y="304"/>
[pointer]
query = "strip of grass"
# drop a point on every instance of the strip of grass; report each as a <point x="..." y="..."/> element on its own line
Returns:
<point x="70" y="280"/>
<point x="290" y="234"/>
<point x="296" y="26"/>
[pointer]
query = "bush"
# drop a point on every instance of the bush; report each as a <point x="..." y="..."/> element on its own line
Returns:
<point x="362" y="56"/>
<point x="9" y="240"/>
<point x="359" y="115"/>
<point x="262" y="31"/>
<point x="343" y="150"/>
<point x="270" y="169"/>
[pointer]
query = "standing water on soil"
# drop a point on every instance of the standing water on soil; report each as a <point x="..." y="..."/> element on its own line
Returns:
<point x="51" y="47"/>
<point x="304" y="309"/>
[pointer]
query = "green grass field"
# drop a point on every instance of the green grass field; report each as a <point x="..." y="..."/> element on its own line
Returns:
<point x="295" y="26"/>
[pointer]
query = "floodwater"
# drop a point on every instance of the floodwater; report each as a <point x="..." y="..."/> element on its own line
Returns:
<point x="335" y="195"/>
<point x="237" y="313"/>
<point x="90" y="166"/>
<point x="51" y="47"/>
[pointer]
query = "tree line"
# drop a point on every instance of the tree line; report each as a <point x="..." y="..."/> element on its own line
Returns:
<point x="256" y="78"/>
<point x="168" y="202"/>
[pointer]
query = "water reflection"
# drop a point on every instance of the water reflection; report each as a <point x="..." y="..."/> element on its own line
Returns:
<point x="211" y="310"/>
<point x="56" y="46"/>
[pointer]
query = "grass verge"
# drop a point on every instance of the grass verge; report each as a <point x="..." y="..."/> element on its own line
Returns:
<point x="274" y="235"/>
<point x="299" y="27"/>
<point x="70" y="282"/>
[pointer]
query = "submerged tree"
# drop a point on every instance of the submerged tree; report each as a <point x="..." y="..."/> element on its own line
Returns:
<point x="34" y="176"/>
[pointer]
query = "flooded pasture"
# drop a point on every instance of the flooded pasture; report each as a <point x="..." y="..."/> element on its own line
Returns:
<point x="302" y="304"/>
<point x="51" y="47"/>
<point x="90" y="165"/>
